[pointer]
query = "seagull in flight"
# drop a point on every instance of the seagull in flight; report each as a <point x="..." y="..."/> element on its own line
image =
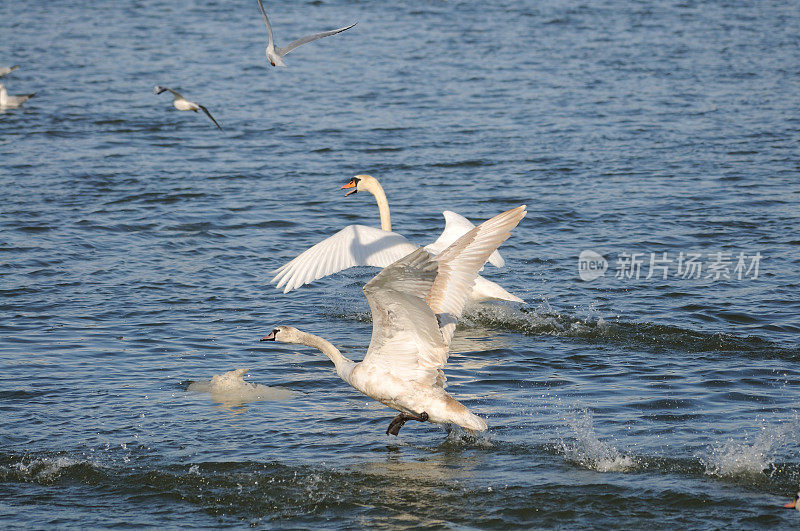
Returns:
<point x="7" y="69"/>
<point x="182" y="104"/>
<point x="275" y="53"/>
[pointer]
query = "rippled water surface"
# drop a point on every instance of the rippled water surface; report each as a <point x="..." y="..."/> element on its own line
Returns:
<point x="136" y="243"/>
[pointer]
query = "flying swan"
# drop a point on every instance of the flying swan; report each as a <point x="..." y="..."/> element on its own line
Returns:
<point x="275" y="53"/>
<point x="182" y="104"/>
<point x="359" y="245"/>
<point x="415" y="304"/>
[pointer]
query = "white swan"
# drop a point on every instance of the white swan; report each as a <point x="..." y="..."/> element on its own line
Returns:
<point x="12" y="102"/>
<point x="182" y="104"/>
<point x="275" y="53"/>
<point x="415" y="304"/>
<point x="359" y="245"/>
<point x="7" y="70"/>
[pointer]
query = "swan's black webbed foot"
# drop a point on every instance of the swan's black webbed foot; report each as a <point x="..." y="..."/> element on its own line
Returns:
<point x="396" y="424"/>
<point x="401" y="419"/>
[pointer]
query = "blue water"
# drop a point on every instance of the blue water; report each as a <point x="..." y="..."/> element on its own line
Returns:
<point x="136" y="243"/>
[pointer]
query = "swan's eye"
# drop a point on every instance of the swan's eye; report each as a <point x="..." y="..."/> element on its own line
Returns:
<point x="275" y="332"/>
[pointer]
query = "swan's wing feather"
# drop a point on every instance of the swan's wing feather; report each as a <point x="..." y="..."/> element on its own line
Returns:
<point x="266" y="21"/>
<point x="459" y="265"/>
<point x="455" y="226"/>
<point x="406" y="340"/>
<point x="308" y="38"/>
<point x="354" y="245"/>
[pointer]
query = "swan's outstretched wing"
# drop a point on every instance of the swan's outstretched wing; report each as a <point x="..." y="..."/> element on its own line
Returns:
<point x="459" y="265"/>
<point x="209" y="115"/>
<point x="308" y="38"/>
<point x="406" y="340"/>
<point x="266" y="21"/>
<point x="416" y="301"/>
<point x="354" y="245"/>
<point x="455" y="226"/>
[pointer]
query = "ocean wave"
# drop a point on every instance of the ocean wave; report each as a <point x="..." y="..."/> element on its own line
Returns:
<point x="641" y="334"/>
<point x="547" y="321"/>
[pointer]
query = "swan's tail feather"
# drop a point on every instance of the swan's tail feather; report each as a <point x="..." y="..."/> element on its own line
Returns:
<point x="472" y="422"/>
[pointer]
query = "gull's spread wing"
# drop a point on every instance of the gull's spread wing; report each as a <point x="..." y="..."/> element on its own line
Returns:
<point x="308" y="38"/>
<point x="266" y="21"/>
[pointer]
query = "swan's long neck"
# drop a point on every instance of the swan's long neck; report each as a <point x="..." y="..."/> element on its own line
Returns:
<point x="343" y="365"/>
<point x="4" y="96"/>
<point x="383" y="205"/>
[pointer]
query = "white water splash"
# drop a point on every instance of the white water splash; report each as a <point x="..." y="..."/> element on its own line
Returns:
<point x="230" y="389"/>
<point x="588" y="451"/>
<point x="752" y="456"/>
<point x="45" y="469"/>
<point x="541" y="320"/>
<point x="458" y="436"/>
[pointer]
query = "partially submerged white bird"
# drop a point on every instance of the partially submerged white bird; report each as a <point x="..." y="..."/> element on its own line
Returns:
<point x="275" y="53"/>
<point x="359" y="245"/>
<point x="182" y="104"/>
<point x="415" y="304"/>
<point x="7" y="70"/>
<point x="12" y="102"/>
<point x="231" y="390"/>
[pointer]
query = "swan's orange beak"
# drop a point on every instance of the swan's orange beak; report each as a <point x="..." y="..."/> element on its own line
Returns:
<point x="268" y="337"/>
<point x="350" y="184"/>
<point x="791" y="505"/>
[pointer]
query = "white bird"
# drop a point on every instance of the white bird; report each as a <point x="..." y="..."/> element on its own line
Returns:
<point x="7" y="70"/>
<point x="182" y="104"/>
<point x="12" y="102"/>
<point x="275" y="53"/>
<point x="415" y="304"/>
<point x="230" y="389"/>
<point x="359" y="245"/>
